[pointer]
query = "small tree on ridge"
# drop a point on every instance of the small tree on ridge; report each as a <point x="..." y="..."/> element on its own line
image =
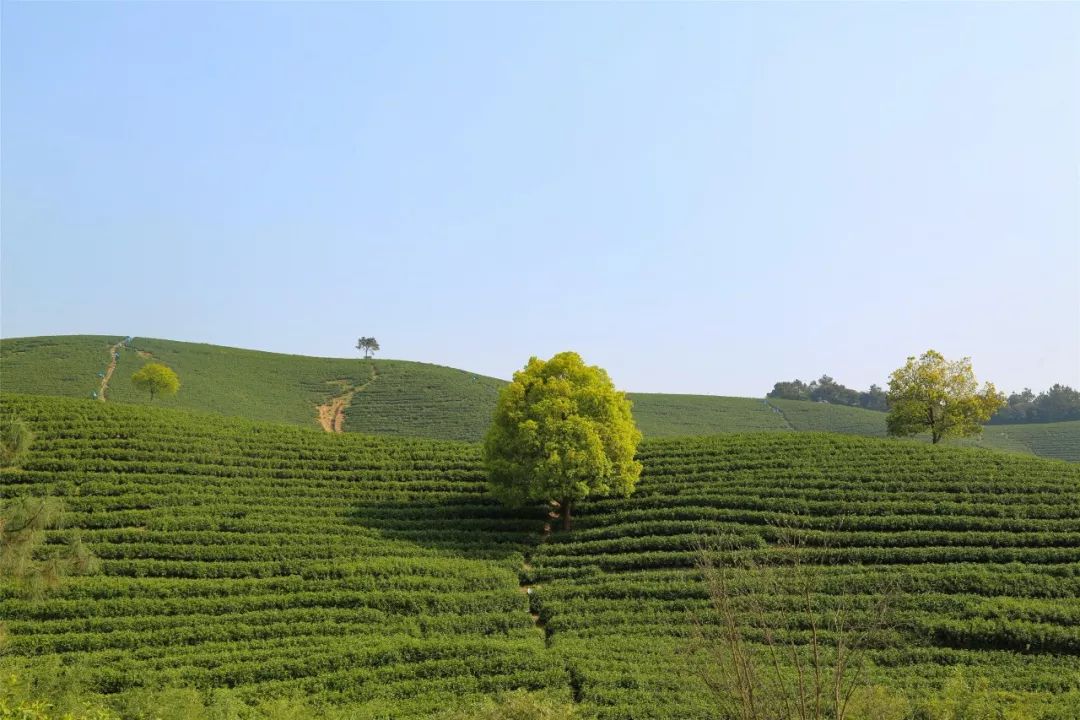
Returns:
<point x="367" y="345"/>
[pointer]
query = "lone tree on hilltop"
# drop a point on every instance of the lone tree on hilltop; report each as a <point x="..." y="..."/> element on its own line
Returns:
<point x="367" y="345"/>
<point x="561" y="433"/>
<point x="157" y="379"/>
<point x="932" y="394"/>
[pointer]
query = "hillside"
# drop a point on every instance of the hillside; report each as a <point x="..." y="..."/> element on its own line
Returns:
<point x="397" y="397"/>
<point x="377" y="573"/>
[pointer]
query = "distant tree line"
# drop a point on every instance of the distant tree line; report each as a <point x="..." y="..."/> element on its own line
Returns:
<point x="825" y="389"/>
<point x="1058" y="403"/>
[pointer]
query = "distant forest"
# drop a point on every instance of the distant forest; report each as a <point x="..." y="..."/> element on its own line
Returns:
<point x="1058" y="403"/>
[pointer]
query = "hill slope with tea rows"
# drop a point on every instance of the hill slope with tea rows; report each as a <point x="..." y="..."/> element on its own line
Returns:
<point x="411" y="399"/>
<point x="377" y="573"/>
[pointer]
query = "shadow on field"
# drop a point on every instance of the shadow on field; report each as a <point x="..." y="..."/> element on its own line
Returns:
<point x="473" y="525"/>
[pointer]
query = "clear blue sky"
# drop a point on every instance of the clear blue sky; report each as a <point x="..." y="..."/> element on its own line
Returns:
<point x="700" y="197"/>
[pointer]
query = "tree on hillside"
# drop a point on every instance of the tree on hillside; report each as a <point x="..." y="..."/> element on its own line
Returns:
<point x="1057" y="404"/>
<point x="825" y="389"/>
<point x="790" y="390"/>
<point x="874" y="399"/>
<point x="157" y="379"/>
<point x="828" y="390"/>
<point x="15" y="440"/>
<point x="561" y="433"/>
<point x="932" y="394"/>
<point x="367" y="345"/>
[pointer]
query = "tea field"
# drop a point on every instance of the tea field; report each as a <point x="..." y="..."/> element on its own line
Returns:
<point x="377" y="574"/>
<point x="411" y="399"/>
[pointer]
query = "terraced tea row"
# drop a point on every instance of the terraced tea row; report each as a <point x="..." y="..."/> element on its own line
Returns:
<point x="378" y="573"/>
<point x="981" y="550"/>
<point x="273" y="559"/>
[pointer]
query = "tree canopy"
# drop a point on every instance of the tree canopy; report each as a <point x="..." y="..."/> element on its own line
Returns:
<point x="935" y="395"/>
<point x="1057" y="404"/>
<point x="561" y="433"/>
<point x="157" y="379"/>
<point x="367" y="345"/>
<point x="828" y="390"/>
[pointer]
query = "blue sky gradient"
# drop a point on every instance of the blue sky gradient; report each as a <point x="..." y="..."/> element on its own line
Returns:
<point x="701" y="198"/>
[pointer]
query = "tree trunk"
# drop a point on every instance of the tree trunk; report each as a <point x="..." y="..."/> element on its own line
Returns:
<point x="565" y="514"/>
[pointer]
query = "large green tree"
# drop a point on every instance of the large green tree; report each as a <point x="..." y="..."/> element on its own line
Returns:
<point x="157" y="379"/>
<point x="561" y="433"/>
<point x="942" y="397"/>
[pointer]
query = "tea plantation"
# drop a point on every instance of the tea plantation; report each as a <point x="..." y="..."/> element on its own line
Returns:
<point x="411" y="399"/>
<point x="377" y="574"/>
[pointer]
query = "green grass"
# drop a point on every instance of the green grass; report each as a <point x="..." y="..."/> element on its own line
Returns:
<point x="378" y="574"/>
<point x="412" y="399"/>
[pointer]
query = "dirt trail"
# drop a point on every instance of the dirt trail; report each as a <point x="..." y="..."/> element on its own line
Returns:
<point x="526" y="570"/>
<point x="331" y="414"/>
<point x="113" y="352"/>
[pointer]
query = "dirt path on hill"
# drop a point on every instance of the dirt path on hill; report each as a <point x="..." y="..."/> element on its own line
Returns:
<point x="113" y="352"/>
<point x="527" y="588"/>
<point x="331" y="414"/>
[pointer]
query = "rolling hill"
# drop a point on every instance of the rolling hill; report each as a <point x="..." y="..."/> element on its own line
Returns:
<point x="398" y="397"/>
<point x="377" y="574"/>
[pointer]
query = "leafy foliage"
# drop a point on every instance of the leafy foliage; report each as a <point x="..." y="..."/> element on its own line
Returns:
<point x="157" y="379"/>
<point x="827" y="390"/>
<point x="15" y="440"/>
<point x="561" y="432"/>
<point x="1059" y="403"/>
<point x="931" y="394"/>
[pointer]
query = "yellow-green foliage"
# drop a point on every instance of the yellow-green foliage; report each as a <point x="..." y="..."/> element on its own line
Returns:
<point x="19" y="700"/>
<point x="562" y="432"/>
<point x="520" y="705"/>
<point x="15" y="440"/>
<point x="964" y="698"/>
<point x="933" y="394"/>
<point x="157" y="379"/>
